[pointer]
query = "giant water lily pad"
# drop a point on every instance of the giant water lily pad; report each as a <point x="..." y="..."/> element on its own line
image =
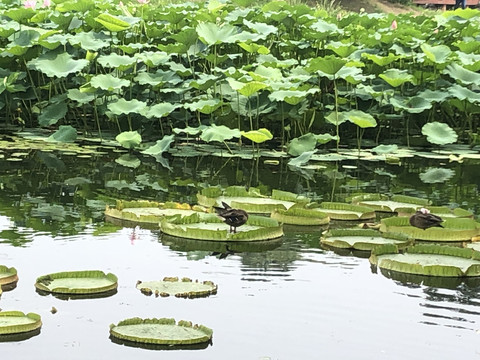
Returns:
<point x="14" y="322"/>
<point x="257" y="228"/>
<point x="300" y="216"/>
<point x="442" y="211"/>
<point x="363" y="239"/>
<point x="161" y="331"/>
<point x="184" y="287"/>
<point x="8" y="277"/>
<point x="343" y="211"/>
<point x="251" y="200"/>
<point x="454" y="229"/>
<point x="87" y="282"/>
<point x="144" y="212"/>
<point x="383" y="203"/>
<point x="428" y="259"/>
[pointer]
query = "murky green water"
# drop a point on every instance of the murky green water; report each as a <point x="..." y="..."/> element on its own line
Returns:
<point x="289" y="299"/>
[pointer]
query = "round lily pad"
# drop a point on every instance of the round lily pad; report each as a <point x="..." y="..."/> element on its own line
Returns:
<point x="383" y="203"/>
<point x="363" y="239"/>
<point x="300" y="216"/>
<point x="15" y="322"/>
<point x="343" y="211"/>
<point x="428" y="259"/>
<point x="185" y="287"/>
<point x="442" y="211"/>
<point x="161" y="331"/>
<point x="8" y="278"/>
<point x="454" y="229"/>
<point x="89" y="282"/>
<point x="213" y="228"/>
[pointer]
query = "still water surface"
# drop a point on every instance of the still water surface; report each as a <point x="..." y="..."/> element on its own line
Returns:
<point x="290" y="300"/>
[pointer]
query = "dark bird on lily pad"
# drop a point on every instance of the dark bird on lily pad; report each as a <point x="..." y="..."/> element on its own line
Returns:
<point x="423" y="219"/>
<point x="232" y="217"/>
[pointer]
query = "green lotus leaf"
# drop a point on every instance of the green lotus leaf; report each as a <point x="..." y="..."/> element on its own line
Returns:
<point x="437" y="95"/>
<point x="89" y="40"/>
<point x="325" y="138"/>
<point x="112" y="23"/>
<point x="246" y="89"/>
<point x="254" y="48"/>
<point x="19" y="14"/>
<point x="396" y="77"/>
<point x="77" y="282"/>
<point x="363" y="239"/>
<point x="108" y="82"/>
<point x="8" y="276"/>
<point x="60" y="66"/>
<point x="160" y="331"/>
<point x="336" y="117"/>
<point x="128" y="160"/>
<point x="385" y="149"/>
<point x="129" y="139"/>
<point x="261" y="28"/>
<point x="153" y="58"/>
<point x="190" y="130"/>
<point x="360" y="118"/>
<point x="300" y="216"/>
<point x="463" y="93"/>
<point x="258" y="136"/>
<point x="438" y="54"/>
<point x="463" y="75"/>
<point x="79" y="96"/>
<point x="382" y="60"/>
<point x="454" y="229"/>
<point x="342" y="49"/>
<point x="436" y="175"/>
<point x="329" y="65"/>
<point x="304" y="143"/>
<point x="82" y="6"/>
<point x="160" y="147"/>
<point x="14" y="322"/>
<point x="292" y="97"/>
<point x="112" y="60"/>
<point x="301" y="159"/>
<point x="343" y="211"/>
<point x="185" y="287"/>
<point x="65" y="133"/>
<point x="431" y="260"/>
<point x="122" y="106"/>
<point x="439" y="133"/>
<point x="219" y="133"/>
<point x="52" y="113"/>
<point x="212" y="34"/>
<point x="204" y="106"/>
<point x="414" y="105"/>
<point x="159" y="110"/>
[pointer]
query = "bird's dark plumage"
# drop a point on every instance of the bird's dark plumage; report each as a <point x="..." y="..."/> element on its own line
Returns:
<point x="232" y="217"/>
<point x="423" y="219"/>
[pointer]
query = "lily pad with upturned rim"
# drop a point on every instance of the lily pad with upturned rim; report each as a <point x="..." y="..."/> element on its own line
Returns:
<point x="363" y="239"/>
<point x="383" y="203"/>
<point x="8" y="277"/>
<point x="184" y="288"/>
<point x="88" y="282"/>
<point x="343" y="211"/>
<point x="300" y="216"/>
<point x="161" y="331"/>
<point x="14" y="322"/>
<point x="442" y="211"/>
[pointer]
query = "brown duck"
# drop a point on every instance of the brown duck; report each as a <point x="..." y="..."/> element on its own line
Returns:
<point x="423" y="219"/>
<point x="232" y="217"/>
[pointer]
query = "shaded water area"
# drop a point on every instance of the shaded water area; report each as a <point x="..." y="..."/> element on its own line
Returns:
<point x="286" y="299"/>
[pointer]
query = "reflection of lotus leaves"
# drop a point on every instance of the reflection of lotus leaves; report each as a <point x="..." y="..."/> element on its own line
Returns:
<point x="436" y="175"/>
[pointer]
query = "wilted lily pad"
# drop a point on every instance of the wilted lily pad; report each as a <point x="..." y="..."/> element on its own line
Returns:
<point x="343" y="211"/>
<point x="431" y="260"/>
<point x="14" y="322"/>
<point x="382" y="203"/>
<point x="185" y="287"/>
<point x="161" y="331"/>
<point x="362" y="239"/>
<point x="300" y="216"/>
<point x="77" y="282"/>
<point x="8" y="277"/>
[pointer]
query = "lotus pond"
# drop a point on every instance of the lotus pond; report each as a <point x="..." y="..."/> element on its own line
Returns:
<point x="289" y="298"/>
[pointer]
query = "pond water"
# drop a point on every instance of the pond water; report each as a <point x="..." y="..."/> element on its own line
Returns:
<point x="289" y="299"/>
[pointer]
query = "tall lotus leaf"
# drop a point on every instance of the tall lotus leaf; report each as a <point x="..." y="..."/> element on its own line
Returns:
<point x="469" y="61"/>
<point x="247" y="89"/>
<point x="413" y="105"/>
<point x="336" y="118"/>
<point x="153" y="58"/>
<point x="258" y="136"/>
<point x="435" y="96"/>
<point x="204" y="81"/>
<point x="360" y="118"/>
<point x="325" y="138"/>
<point x="160" y="147"/>
<point x="129" y="139"/>
<point x="79" y="96"/>
<point x="463" y="75"/>
<point x="268" y="73"/>
<point x="342" y="49"/>
<point x="112" y="60"/>
<point x="89" y="40"/>
<point x="81" y="6"/>
<point x="261" y="28"/>
<point x="396" y="77"/>
<point x="254" y="48"/>
<point x="212" y="34"/>
<point x="292" y="97"/>
<point x="204" y="106"/>
<point x="219" y="133"/>
<point x="159" y="110"/>
<point x="329" y="64"/>
<point x="65" y="133"/>
<point x="60" y="66"/>
<point x="112" y="23"/>
<point x="52" y="113"/>
<point x="122" y="106"/>
<point x="353" y="75"/>
<point x="158" y="78"/>
<point x="190" y="130"/>
<point x="187" y="36"/>
<point x="439" y="133"/>
<point x="326" y="28"/>
<point x="302" y="159"/>
<point x="463" y="93"/>
<point x="19" y="14"/>
<point x="302" y="144"/>
<point x="438" y="54"/>
<point x="108" y="82"/>
<point x="468" y="46"/>
<point x="382" y="60"/>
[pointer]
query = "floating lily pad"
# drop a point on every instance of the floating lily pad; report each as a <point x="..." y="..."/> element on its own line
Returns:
<point x="185" y="287"/>
<point x="251" y="200"/>
<point x="343" y="211"/>
<point x="213" y="228"/>
<point x="442" y="211"/>
<point x="300" y="216"/>
<point x="454" y="229"/>
<point x="383" y="203"/>
<point x="8" y="278"/>
<point x="363" y="239"/>
<point x="428" y="259"/>
<point x="161" y="331"/>
<point x="87" y="282"/>
<point x="15" y="322"/>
